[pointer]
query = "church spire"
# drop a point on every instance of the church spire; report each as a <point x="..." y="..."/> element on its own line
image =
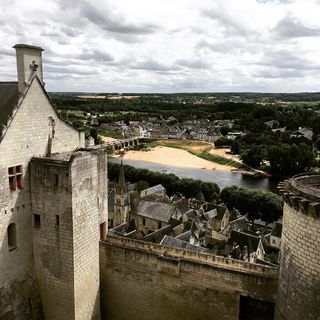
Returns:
<point x="121" y="181"/>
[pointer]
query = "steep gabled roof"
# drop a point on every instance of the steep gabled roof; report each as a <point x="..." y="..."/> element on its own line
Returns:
<point x="179" y="244"/>
<point x="11" y="103"/>
<point x="243" y="239"/>
<point x="277" y="230"/>
<point x="154" y="210"/>
<point x="8" y="101"/>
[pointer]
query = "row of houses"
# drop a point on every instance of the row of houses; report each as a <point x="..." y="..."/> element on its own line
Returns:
<point x="153" y="128"/>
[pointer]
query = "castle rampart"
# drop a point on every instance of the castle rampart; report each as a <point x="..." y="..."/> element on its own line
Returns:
<point x="299" y="278"/>
<point x="142" y="280"/>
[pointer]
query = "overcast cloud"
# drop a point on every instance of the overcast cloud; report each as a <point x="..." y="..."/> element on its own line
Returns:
<point x="167" y="45"/>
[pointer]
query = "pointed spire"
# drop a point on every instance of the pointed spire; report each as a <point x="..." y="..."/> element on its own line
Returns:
<point x="200" y="197"/>
<point x="121" y="181"/>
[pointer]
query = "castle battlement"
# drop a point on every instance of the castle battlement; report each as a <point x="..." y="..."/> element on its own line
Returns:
<point x="302" y="192"/>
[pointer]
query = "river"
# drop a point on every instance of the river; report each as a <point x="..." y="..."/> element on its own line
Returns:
<point x="220" y="177"/>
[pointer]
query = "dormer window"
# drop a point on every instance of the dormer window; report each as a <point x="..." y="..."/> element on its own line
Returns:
<point x="15" y="177"/>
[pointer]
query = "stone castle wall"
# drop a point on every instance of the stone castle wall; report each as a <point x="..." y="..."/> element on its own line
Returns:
<point x="299" y="279"/>
<point x="27" y="136"/>
<point x="71" y="190"/>
<point x="147" y="281"/>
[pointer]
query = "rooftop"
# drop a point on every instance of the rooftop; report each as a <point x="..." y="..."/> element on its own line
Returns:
<point x="177" y="243"/>
<point x="154" y="189"/>
<point x="8" y="101"/>
<point x="154" y="210"/>
<point x="27" y="46"/>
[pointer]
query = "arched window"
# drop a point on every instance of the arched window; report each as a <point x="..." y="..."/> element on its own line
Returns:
<point x="12" y="236"/>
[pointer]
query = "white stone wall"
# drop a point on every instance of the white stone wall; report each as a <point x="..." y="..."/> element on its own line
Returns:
<point x="52" y="243"/>
<point x="299" y="279"/>
<point x="89" y="199"/>
<point x="67" y="256"/>
<point x="26" y="137"/>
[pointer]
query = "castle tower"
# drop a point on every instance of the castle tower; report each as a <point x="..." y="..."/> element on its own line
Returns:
<point x="69" y="211"/>
<point x="299" y="278"/>
<point x="29" y="63"/>
<point x="122" y="199"/>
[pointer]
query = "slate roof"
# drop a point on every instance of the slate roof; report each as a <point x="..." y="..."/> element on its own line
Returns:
<point x="191" y="214"/>
<point x="305" y="132"/>
<point x="277" y="230"/>
<point x="217" y="213"/>
<point x="154" y="210"/>
<point x="176" y="243"/>
<point x="157" y="235"/>
<point x="184" y="236"/>
<point x="271" y="123"/>
<point x="238" y="224"/>
<point x="8" y="101"/>
<point x="155" y="189"/>
<point x="243" y="239"/>
<point x="181" y="204"/>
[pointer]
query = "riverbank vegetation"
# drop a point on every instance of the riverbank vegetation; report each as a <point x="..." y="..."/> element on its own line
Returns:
<point x="254" y="203"/>
<point x="173" y="184"/>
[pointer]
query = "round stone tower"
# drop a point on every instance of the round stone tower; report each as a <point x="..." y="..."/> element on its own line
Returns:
<point x="299" y="278"/>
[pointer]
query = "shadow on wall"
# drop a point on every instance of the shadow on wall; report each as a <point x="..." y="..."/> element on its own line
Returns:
<point x="20" y="295"/>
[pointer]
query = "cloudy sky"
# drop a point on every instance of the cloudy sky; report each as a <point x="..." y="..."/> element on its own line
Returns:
<point x="167" y="45"/>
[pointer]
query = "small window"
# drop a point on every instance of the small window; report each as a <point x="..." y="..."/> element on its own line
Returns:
<point x="56" y="180"/>
<point x="57" y="220"/>
<point x="36" y="220"/>
<point x="159" y="225"/>
<point x="103" y="231"/>
<point x="18" y="181"/>
<point x="144" y="221"/>
<point x="12" y="183"/>
<point x="15" y="177"/>
<point x="12" y="236"/>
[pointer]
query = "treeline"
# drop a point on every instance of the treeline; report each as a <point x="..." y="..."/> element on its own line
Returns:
<point x="254" y="203"/>
<point x="173" y="184"/>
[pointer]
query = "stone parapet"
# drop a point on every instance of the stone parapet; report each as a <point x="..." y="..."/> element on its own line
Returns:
<point x="302" y="192"/>
<point x="212" y="260"/>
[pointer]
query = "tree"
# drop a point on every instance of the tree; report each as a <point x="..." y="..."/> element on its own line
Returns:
<point x="141" y="185"/>
<point x="253" y="203"/>
<point x="289" y="159"/>
<point x="235" y="147"/>
<point x="253" y="156"/>
<point x="224" y="131"/>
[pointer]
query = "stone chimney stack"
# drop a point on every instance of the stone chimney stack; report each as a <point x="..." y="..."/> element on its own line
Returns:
<point x="29" y="63"/>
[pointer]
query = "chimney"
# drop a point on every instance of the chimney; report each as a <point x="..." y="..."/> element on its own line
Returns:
<point x="29" y="62"/>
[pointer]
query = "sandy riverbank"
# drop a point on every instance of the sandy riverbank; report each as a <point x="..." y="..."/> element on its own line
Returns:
<point x="173" y="157"/>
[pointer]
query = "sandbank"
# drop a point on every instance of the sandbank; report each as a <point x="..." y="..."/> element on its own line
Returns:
<point x="173" y="157"/>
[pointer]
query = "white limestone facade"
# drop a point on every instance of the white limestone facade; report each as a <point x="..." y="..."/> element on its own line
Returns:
<point x="32" y="125"/>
